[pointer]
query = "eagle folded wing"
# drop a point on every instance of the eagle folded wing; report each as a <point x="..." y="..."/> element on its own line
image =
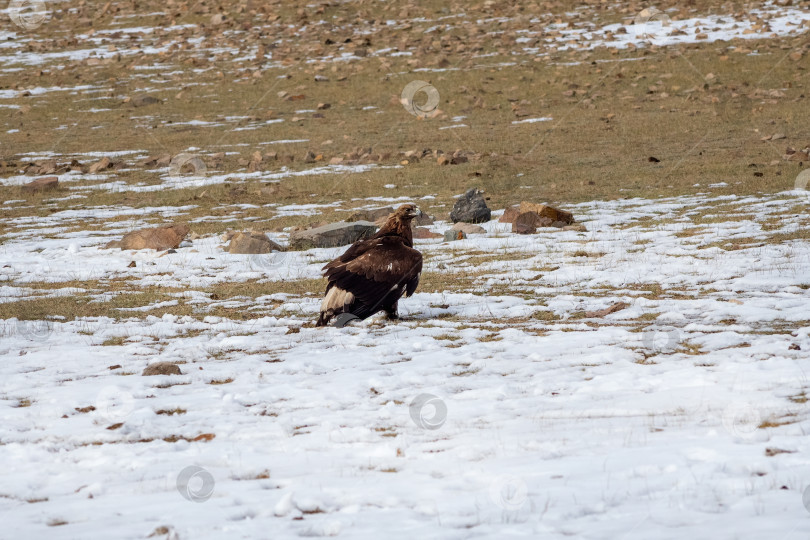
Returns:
<point x="388" y="264"/>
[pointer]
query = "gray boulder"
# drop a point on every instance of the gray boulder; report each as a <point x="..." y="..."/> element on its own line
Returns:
<point x="471" y="208"/>
<point x="332" y="235"/>
<point x="452" y="235"/>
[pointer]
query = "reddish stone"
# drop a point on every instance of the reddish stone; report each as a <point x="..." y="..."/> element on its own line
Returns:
<point x="42" y="184"/>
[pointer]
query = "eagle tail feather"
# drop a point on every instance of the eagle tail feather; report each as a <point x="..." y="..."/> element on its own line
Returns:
<point x="335" y="302"/>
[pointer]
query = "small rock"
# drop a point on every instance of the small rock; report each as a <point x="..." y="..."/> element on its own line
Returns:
<point x="544" y="210"/>
<point x="152" y="161"/>
<point x="443" y="160"/>
<point x="771" y="452"/>
<point x="131" y="264"/>
<point x="162" y="368"/>
<point x="777" y="136"/>
<point x="422" y="233"/>
<point x="459" y="159"/>
<point x="579" y="227"/>
<point x="164" y="160"/>
<point x="160" y="531"/>
<point x="142" y="101"/>
<point x="510" y="214"/>
<point x="252" y="243"/>
<point x="451" y="235"/>
<point x="607" y="311"/>
<point x="323" y="106"/>
<point x="527" y="223"/>
<point x="157" y="238"/>
<point x="42" y="184"/>
<point x="103" y="163"/>
<point x="469" y="228"/>
<point x="794" y="347"/>
<point x="332" y="235"/>
<point x="471" y="208"/>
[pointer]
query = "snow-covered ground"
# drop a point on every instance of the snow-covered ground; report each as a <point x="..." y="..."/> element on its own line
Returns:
<point x="479" y="415"/>
<point x="497" y="411"/>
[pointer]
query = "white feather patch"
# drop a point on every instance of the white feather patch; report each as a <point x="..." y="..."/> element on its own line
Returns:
<point x="336" y="298"/>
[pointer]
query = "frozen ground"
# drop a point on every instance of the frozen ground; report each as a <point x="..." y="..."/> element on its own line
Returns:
<point x="682" y="416"/>
<point x="499" y="411"/>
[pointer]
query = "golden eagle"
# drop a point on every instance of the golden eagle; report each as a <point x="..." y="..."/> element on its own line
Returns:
<point x="373" y="274"/>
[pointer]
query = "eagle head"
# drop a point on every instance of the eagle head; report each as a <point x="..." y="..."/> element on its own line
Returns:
<point x="407" y="212"/>
<point x="399" y="223"/>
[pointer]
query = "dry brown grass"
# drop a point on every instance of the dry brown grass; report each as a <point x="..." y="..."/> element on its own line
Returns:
<point x="612" y="111"/>
<point x="597" y="146"/>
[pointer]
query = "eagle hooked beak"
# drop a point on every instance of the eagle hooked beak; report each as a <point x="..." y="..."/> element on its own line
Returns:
<point x="415" y="213"/>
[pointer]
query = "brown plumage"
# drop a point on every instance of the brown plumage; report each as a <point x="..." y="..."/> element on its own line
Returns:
<point x="373" y="274"/>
